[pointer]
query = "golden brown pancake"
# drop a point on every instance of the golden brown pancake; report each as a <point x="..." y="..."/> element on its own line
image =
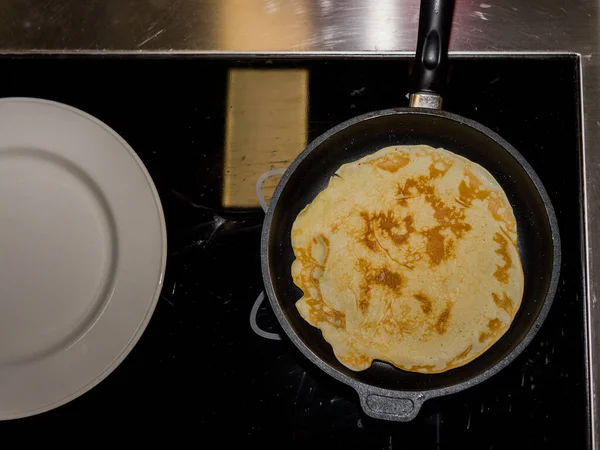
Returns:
<point x="409" y="256"/>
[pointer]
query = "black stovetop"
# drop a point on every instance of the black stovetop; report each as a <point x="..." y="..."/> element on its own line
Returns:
<point x="199" y="371"/>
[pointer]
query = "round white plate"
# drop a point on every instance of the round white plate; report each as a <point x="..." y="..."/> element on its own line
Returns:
<point x="82" y="253"/>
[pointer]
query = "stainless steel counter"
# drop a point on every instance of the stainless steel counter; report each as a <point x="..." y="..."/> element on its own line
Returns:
<point x="329" y="26"/>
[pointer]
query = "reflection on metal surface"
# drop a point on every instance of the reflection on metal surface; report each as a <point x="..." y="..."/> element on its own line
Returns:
<point x="383" y="24"/>
<point x="425" y="100"/>
<point x="590" y="109"/>
<point x="321" y="26"/>
<point x="266" y="129"/>
<point x="239" y="20"/>
<point x="290" y="25"/>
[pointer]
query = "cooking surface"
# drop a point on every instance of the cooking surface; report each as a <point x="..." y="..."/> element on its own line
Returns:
<point x="207" y="130"/>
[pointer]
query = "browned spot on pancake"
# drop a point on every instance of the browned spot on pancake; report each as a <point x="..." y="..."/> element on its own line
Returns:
<point x="402" y="196"/>
<point x="438" y="167"/>
<point x="387" y="278"/>
<point x="306" y="258"/>
<point x="404" y="311"/>
<point x="379" y="276"/>
<point x="505" y="216"/>
<point x="392" y="162"/>
<point x="448" y="216"/>
<point x="501" y="273"/>
<point x="422" y="369"/>
<point x="457" y="360"/>
<point x="493" y="326"/>
<point x="398" y="327"/>
<point x="335" y="318"/>
<point x="385" y="223"/>
<point x="504" y="303"/>
<point x="441" y="326"/>
<point x="318" y="311"/>
<point x="321" y="313"/>
<point x="354" y="359"/>
<point x="473" y="190"/>
<point x="426" y="303"/>
<point x="325" y="241"/>
<point x="461" y="203"/>
<point x="496" y="205"/>
<point x="388" y="224"/>
<point x="435" y="245"/>
<point x="335" y="227"/>
<point x="322" y="239"/>
<point x="464" y="353"/>
<point x="363" y="304"/>
<point x="407" y="327"/>
<point x="403" y="238"/>
<point x="368" y="237"/>
<point x="445" y="214"/>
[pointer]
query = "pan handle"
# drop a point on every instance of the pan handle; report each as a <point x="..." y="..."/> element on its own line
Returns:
<point x="394" y="406"/>
<point x="429" y="71"/>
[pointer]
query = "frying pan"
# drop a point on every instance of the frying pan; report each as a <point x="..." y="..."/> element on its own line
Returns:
<point x="386" y="392"/>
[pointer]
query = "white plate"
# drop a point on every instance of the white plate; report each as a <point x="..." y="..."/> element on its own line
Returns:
<point x="82" y="253"/>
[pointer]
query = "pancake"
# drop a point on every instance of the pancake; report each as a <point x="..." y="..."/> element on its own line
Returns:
<point x="409" y="256"/>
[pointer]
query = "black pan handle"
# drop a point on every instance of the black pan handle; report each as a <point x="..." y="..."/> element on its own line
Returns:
<point x="429" y="71"/>
<point x="390" y="405"/>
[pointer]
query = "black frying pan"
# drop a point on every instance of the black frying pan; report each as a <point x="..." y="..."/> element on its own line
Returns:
<point x="387" y="392"/>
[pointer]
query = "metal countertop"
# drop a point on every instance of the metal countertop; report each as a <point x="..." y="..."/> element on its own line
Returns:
<point x="350" y="27"/>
